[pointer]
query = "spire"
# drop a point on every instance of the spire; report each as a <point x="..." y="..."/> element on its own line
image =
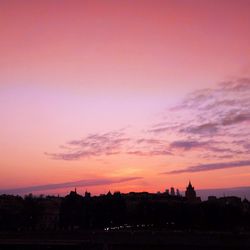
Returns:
<point x="190" y="192"/>
<point x="189" y="184"/>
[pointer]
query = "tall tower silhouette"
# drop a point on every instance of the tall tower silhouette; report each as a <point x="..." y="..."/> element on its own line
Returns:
<point x="190" y="193"/>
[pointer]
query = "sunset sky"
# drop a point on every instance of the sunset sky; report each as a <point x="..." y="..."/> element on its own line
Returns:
<point x="130" y="95"/>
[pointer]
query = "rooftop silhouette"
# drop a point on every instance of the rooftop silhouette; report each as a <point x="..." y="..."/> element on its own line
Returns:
<point x="166" y="210"/>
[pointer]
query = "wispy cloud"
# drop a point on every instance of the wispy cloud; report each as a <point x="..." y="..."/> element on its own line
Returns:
<point x="111" y="143"/>
<point x="236" y="117"/>
<point x="226" y="104"/>
<point x="206" y="122"/>
<point x="201" y="129"/>
<point x="211" y="166"/>
<point x="80" y="183"/>
<point x="150" y="153"/>
<point x="210" y="120"/>
<point x="92" y="145"/>
<point x="188" y="144"/>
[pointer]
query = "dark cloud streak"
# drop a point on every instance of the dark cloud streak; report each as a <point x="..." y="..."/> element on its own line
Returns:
<point x="80" y="183"/>
<point x="211" y="166"/>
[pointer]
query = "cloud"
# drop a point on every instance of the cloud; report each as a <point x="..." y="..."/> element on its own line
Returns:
<point x="207" y="146"/>
<point x="92" y="145"/>
<point x="204" y="129"/>
<point x="80" y="183"/>
<point x="227" y="94"/>
<point x="210" y="120"/>
<point x="106" y="144"/>
<point x="160" y="129"/>
<point x="211" y="166"/>
<point x="149" y="141"/>
<point x="239" y="85"/>
<point x="71" y="156"/>
<point x="219" y="103"/>
<point x="150" y="153"/>
<point x="188" y="144"/>
<point x="235" y="118"/>
<point x="247" y="146"/>
<point x="205" y="120"/>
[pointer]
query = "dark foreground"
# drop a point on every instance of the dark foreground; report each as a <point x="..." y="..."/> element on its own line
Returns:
<point x="124" y="240"/>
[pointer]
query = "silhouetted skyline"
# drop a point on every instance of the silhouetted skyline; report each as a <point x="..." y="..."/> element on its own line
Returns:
<point x="242" y="192"/>
<point x="168" y="210"/>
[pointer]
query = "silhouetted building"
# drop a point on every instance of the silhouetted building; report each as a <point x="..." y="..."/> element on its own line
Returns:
<point x="230" y="200"/>
<point x="172" y="191"/>
<point x="246" y="205"/>
<point x="167" y="191"/>
<point x="191" y="194"/>
<point x="49" y="214"/>
<point x="87" y="194"/>
<point x="178" y="192"/>
<point x="109" y="194"/>
<point x="212" y="198"/>
<point x="120" y="211"/>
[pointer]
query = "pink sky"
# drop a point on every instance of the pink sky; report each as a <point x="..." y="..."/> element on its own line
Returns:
<point x="122" y="95"/>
